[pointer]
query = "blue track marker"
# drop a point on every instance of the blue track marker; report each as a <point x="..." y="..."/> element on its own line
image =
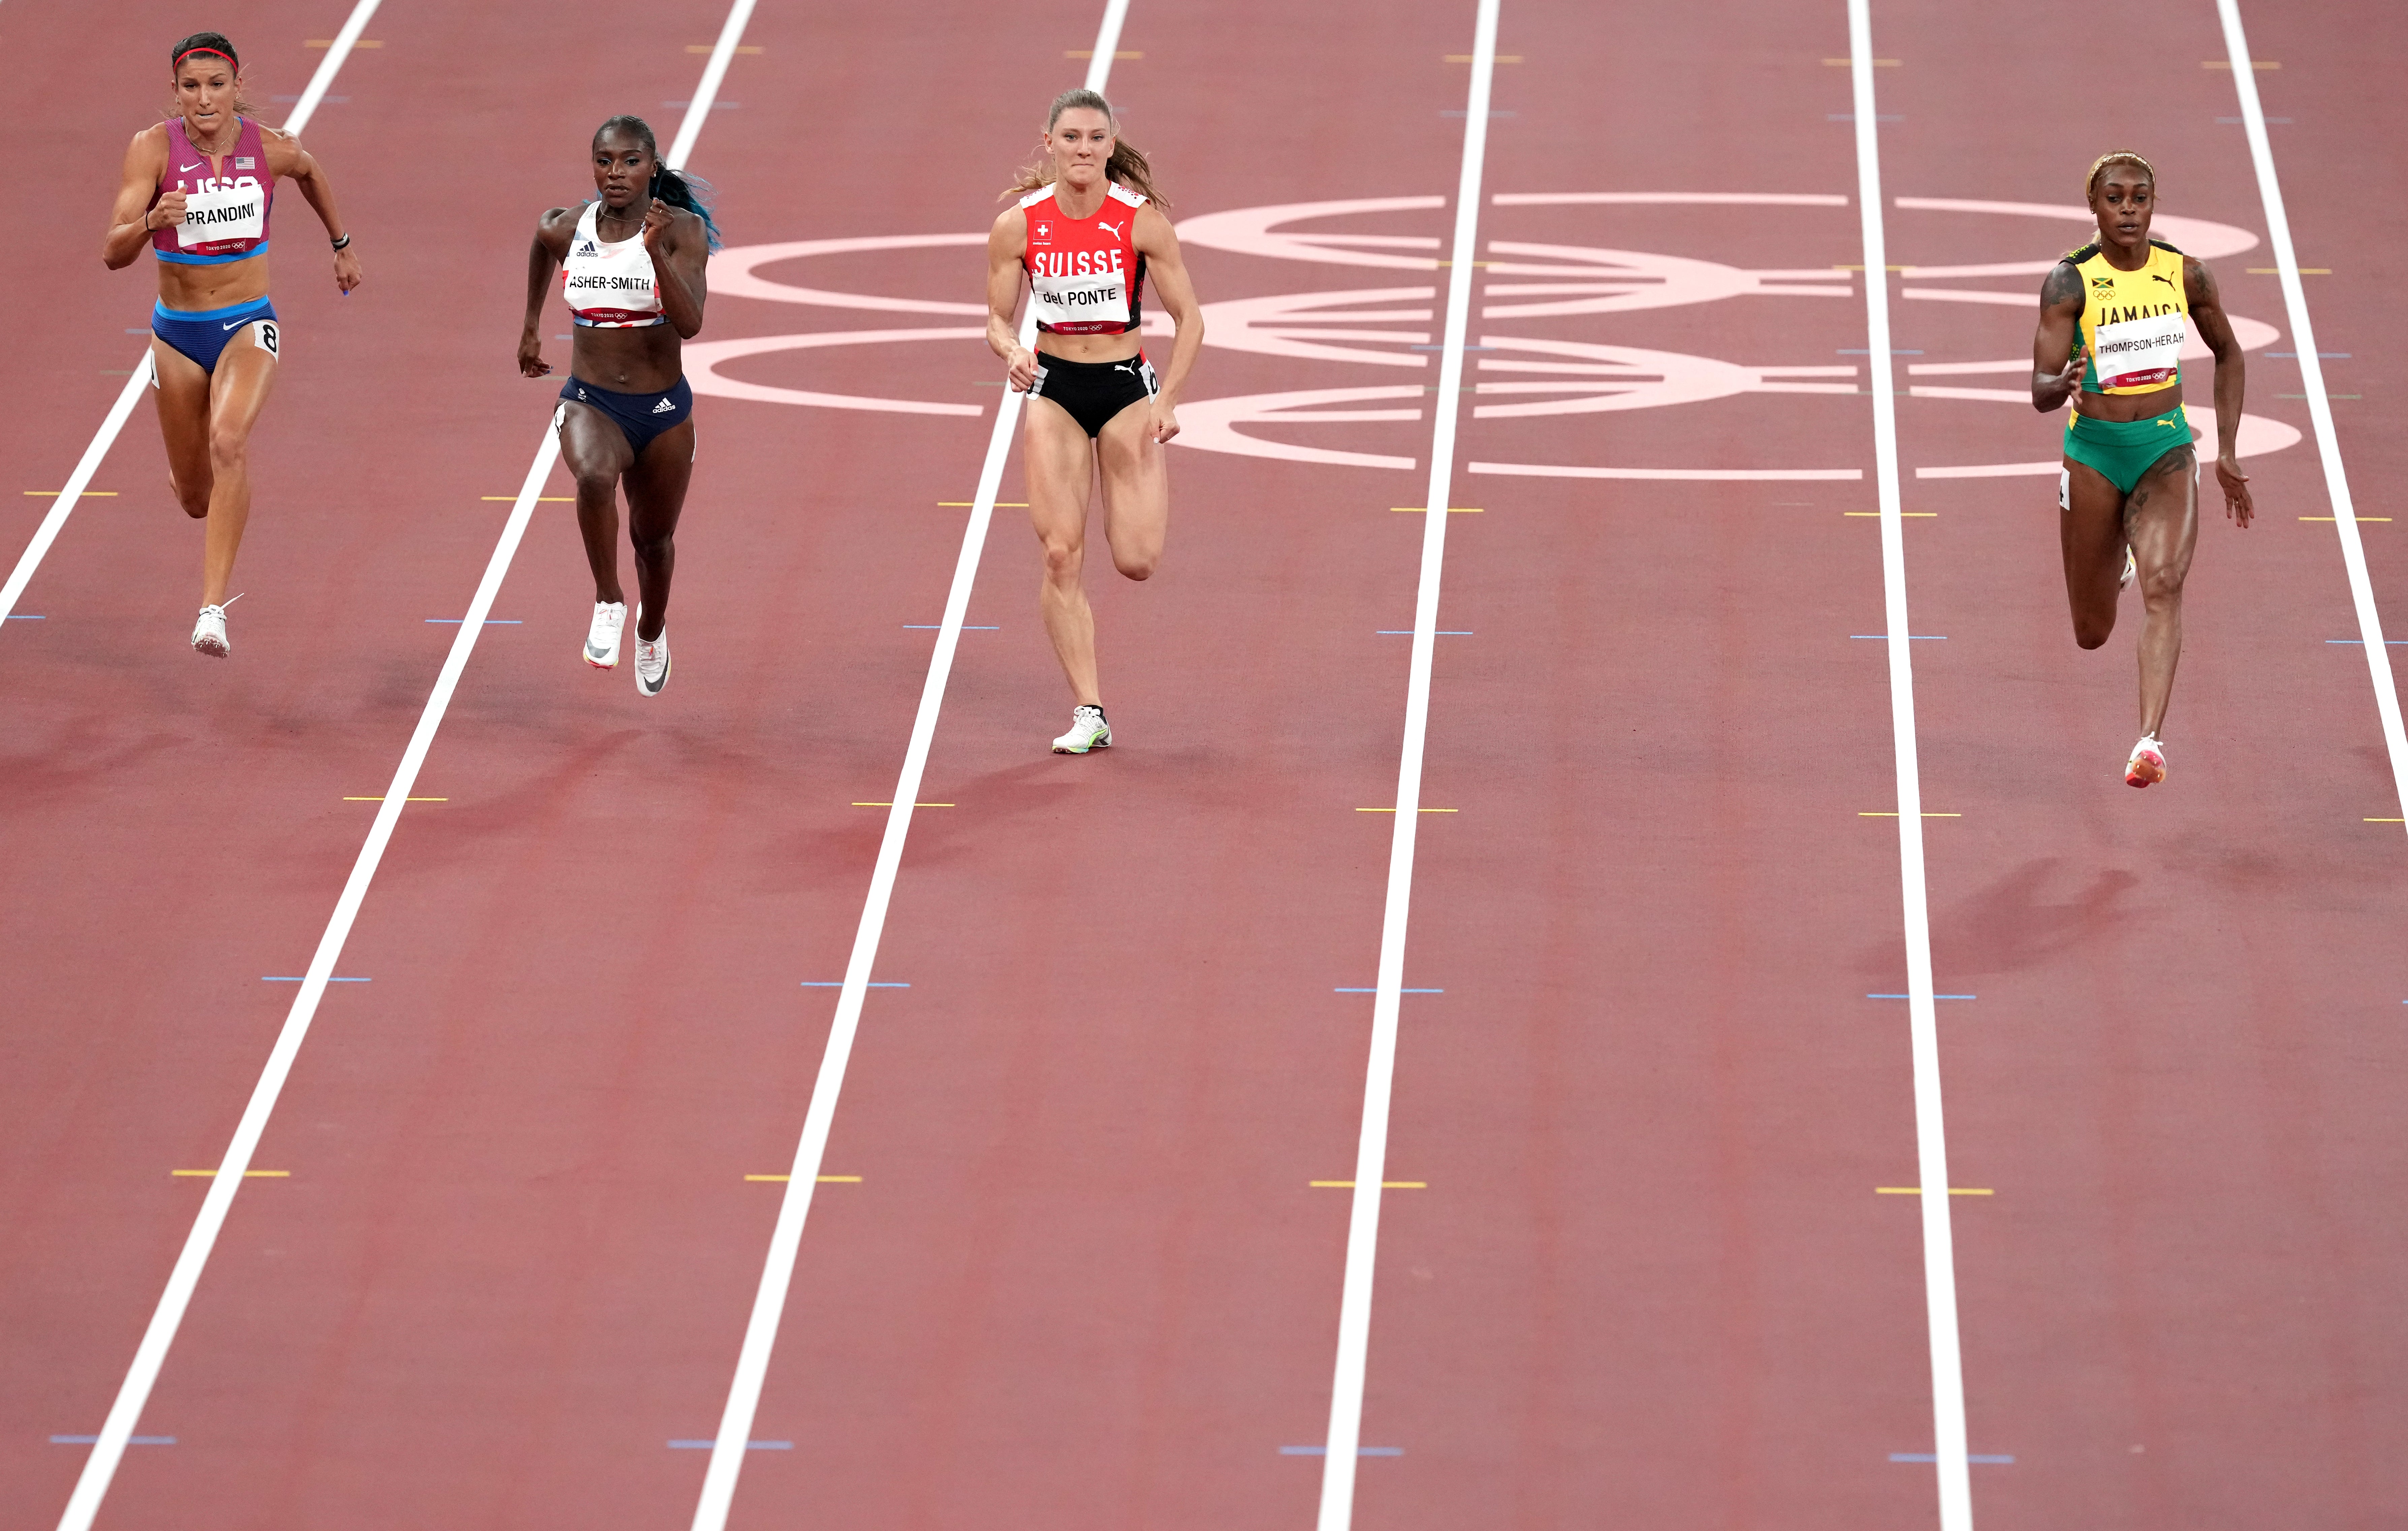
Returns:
<point x="1927" y="1456"/>
<point x="816" y="984"/>
<point x="750" y="1445"/>
<point x="2391" y="643"/>
<point x="272" y="977"/>
<point x="130" y="1440"/>
<point x="1429" y="992"/>
<point x="1359" y="1451"/>
<point x="14" y="616"/>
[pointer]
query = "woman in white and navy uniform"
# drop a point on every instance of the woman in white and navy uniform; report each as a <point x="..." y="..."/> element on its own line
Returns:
<point x="1087" y="230"/>
<point x="631" y="264"/>
<point x="196" y="190"/>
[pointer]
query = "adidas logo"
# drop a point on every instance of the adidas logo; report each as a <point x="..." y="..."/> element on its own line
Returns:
<point x="587" y="249"/>
<point x="665" y="408"/>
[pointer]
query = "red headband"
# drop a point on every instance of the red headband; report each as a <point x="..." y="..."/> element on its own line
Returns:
<point x="219" y="51"/>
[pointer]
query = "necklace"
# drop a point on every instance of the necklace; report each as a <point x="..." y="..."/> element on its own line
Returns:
<point x="216" y="153"/>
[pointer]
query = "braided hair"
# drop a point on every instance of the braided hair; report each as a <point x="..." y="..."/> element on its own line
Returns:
<point x="674" y="187"/>
<point x="2099" y="167"/>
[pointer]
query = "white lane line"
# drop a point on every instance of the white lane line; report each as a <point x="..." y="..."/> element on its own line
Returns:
<point x="2312" y="373"/>
<point x="1341" y="1457"/>
<point x="1930" y="1136"/>
<point x="727" y="1452"/>
<point x="78" y="482"/>
<point x="152" y="1353"/>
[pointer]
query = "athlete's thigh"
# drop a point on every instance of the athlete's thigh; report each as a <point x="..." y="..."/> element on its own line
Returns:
<point x="1060" y="463"/>
<point x="1137" y="485"/>
<point x="2161" y="514"/>
<point x="590" y="442"/>
<point x="2090" y="533"/>
<point x="656" y="483"/>
<point x="238" y="390"/>
<point x="183" y="397"/>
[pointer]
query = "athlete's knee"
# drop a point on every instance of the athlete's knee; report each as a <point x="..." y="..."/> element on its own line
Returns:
<point x="2093" y="634"/>
<point x="1063" y="558"/>
<point x="2161" y="587"/>
<point x="597" y="486"/>
<point x="1137" y="567"/>
<point x="653" y="550"/>
<point x="195" y="498"/>
<point x="229" y="450"/>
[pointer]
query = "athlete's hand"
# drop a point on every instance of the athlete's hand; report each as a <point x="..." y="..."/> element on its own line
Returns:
<point x="347" y="270"/>
<point x="166" y="213"/>
<point x="657" y="219"/>
<point x="1163" y="422"/>
<point x="531" y="362"/>
<point x="2235" y="485"/>
<point x="1024" y="369"/>
<point x="2067" y="381"/>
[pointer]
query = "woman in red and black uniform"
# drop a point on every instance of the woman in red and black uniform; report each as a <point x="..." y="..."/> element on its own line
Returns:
<point x="196" y="190"/>
<point x="1088" y="229"/>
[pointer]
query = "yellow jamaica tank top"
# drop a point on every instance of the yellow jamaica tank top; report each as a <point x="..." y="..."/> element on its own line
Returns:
<point x="2133" y="321"/>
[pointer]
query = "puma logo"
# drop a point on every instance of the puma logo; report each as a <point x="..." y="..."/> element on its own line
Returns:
<point x="2160" y="275"/>
<point x="1124" y="366"/>
<point x="1116" y="229"/>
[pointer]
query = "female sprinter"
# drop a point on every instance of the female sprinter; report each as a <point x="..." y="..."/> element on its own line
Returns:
<point x="1087" y="228"/>
<point x="196" y="190"/>
<point x="2129" y="488"/>
<point x="632" y="270"/>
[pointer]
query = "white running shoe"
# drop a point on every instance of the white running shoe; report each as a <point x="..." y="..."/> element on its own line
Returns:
<point x="1088" y="731"/>
<point x="602" y="638"/>
<point x="2131" y="571"/>
<point x="2148" y="765"/>
<point x="652" y="661"/>
<point x="209" y="634"/>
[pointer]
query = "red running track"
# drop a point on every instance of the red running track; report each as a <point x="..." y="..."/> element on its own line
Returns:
<point x="1083" y="1279"/>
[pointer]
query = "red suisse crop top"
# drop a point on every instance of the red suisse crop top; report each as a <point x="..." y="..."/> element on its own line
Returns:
<point x="1085" y="276"/>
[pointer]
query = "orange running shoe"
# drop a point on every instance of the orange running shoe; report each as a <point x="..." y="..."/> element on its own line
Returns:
<point x="2148" y="765"/>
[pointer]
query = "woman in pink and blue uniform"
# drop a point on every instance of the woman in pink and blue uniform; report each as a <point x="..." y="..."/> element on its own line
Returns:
<point x="631" y="267"/>
<point x="198" y="189"/>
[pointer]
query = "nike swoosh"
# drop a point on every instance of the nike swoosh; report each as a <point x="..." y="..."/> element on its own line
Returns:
<point x="186" y="170"/>
<point x="235" y="325"/>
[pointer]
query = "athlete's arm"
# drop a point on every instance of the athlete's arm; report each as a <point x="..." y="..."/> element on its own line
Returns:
<point x="2057" y="350"/>
<point x="286" y="157"/>
<point x="1160" y="244"/>
<point x="1006" y="244"/>
<point x="139" y="207"/>
<point x="551" y="247"/>
<point x="2232" y="370"/>
<point x="673" y="238"/>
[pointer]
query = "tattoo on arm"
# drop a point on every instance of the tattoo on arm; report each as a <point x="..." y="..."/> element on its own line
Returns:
<point x="2064" y="285"/>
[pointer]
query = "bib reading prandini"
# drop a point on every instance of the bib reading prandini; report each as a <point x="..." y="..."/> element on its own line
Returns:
<point x="2133" y="322"/>
<point x="1085" y="276"/>
<point x="235" y="211"/>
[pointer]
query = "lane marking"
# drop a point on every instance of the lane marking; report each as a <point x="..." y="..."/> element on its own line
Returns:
<point x="2234" y="63"/>
<point x="1927" y="814"/>
<point x="1935" y="996"/>
<point x="151" y="1354"/>
<point x="1452" y="509"/>
<point x="490" y="622"/>
<point x="823" y="1180"/>
<point x="1374" y="990"/>
<point x="1407" y="632"/>
<point x="1090" y="53"/>
<point x="296" y="977"/>
<point x="1352" y="1361"/>
<point x="973" y="505"/>
<point x="1385" y="1185"/>
<point x="329" y="42"/>
<point x="1909" y="514"/>
<point x="704" y="48"/>
<point x="253" y="1174"/>
<point x="540" y="499"/>
<point x="915" y="805"/>
<point x="2312" y="376"/>
<point x="1466" y="58"/>
<point x="750" y="1445"/>
<point x="2387" y="821"/>
<point x="1953" y="1485"/>
<point x="1416" y="811"/>
<point x="938" y="627"/>
<point x="838" y="984"/>
<point x="338" y="49"/>
<point x="1927" y="1456"/>
<point x="130" y="1440"/>
<point x="379" y="799"/>
<point x="2361" y="520"/>
<point x="751" y="1367"/>
<point x="1878" y="63"/>
<point x="1914" y="637"/>
<point x="1916" y="1191"/>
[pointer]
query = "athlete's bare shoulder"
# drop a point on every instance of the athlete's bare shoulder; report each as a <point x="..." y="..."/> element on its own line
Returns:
<point x="1009" y="235"/>
<point x="149" y="143"/>
<point x="285" y="150"/>
<point x="557" y="226"/>
<point x="2062" y="287"/>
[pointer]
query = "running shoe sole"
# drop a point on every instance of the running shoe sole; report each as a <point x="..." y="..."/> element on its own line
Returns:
<point x="2142" y="771"/>
<point x="1101" y="741"/>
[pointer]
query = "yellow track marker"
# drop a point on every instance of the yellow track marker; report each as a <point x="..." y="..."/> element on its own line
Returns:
<point x="1877" y="815"/>
<point x="2353" y="518"/>
<point x="704" y="48"/>
<point x="2227" y="63"/>
<point x="405" y="799"/>
<point x="2387" y="821"/>
<point x="823" y="1180"/>
<point x="1089" y="52"/>
<point x="1916" y="1191"/>
<point x="1424" y="509"/>
<point x="540" y="499"/>
<point x="1385" y="1185"/>
<point x="1926" y="514"/>
<point x="89" y="494"/>
<point x="965" y="505"/>
<point x="2304" y="271"/>
<point x="915" y="805"/>
<point x="1466" y="58"/>
<point x="361" y="42"/>
<point x="248" y="1174"/>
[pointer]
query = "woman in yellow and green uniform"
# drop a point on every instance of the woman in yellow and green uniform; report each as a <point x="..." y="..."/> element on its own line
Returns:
<point x="2111" y="329"/>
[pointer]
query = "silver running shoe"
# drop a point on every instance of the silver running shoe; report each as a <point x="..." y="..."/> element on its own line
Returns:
<point x="209" y="634"/>
<point x="602" y="638"/>
<point x="1088" y="731"/>
<point x="652" y="661"/>
<point x="2131" y="571"/>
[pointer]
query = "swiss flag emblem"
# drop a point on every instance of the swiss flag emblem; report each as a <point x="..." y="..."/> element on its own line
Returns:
<point x="1042" y="231"/>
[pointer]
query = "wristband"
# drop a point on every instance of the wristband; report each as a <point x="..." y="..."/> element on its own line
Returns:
<point x="343" y="243"/>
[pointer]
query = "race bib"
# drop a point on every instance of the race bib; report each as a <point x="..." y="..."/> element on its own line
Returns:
<point x="1101" y="298"/>
<point x="2139" y="352"/>
<point x="232" y="212"/>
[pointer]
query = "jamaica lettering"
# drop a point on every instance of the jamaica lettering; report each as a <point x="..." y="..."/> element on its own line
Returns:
<point x="2145" y="310"/>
